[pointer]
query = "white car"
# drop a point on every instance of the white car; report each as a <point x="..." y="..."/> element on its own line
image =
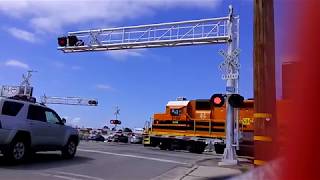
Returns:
<point x="27" y="127"/>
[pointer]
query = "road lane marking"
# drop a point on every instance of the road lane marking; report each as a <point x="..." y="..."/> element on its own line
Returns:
<point x="65" y="177"/>
<point x="57" y="176"/>
<point x="68" y="176"/>
<point x="133" y="156"/>
<point x="78" y="175"/>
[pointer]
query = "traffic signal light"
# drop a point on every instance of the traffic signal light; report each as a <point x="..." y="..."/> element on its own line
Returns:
<point x="115" y="122"/>
<point x="93" y="102"/>
<point x="217" y="100"/>
<point x="236" y="100"/>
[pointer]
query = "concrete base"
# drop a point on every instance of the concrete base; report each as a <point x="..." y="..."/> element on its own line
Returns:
<point x="228" y="163"/>
<point x="229" y="157"/>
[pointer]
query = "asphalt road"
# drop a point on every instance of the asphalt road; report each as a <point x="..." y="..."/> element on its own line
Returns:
<point x="98" y="161"/>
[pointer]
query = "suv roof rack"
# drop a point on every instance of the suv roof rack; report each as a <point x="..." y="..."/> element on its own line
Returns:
<point x="24" y="98"/>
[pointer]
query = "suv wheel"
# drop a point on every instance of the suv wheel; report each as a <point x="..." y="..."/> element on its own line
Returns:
<point x="17" y="151"/>
<point x="70" y="149"/>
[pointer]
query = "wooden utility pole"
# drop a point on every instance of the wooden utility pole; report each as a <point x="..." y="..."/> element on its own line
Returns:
<point x="264" y="82"/>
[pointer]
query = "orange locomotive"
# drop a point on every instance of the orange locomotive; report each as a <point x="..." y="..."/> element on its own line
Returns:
<point x="190" y="125"/>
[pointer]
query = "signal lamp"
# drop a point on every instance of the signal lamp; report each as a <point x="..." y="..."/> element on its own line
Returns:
<point x="62" y="41"/>
<point x="72" y="40"/>
<point x="93" y="102"/>
<point x="217" y="100"/>
<point x="115" y="122"/>
<point x="69" y="41"/>
<point x="236" y="100"/>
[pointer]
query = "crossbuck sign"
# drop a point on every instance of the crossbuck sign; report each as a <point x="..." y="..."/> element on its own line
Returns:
<point x="230" y="66"/>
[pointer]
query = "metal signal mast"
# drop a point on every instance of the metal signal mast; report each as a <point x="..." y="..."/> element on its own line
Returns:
<point x="117" y="112"/>
<point x="222" y="30"/>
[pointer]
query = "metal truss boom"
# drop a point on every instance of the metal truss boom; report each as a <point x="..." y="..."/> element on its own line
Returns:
<point x="69" y="101"/>
<point x="183" y="33"/>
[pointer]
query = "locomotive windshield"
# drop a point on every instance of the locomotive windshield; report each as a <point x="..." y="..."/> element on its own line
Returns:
<point x="203" y="105"/>
<point x="175" y="112"/>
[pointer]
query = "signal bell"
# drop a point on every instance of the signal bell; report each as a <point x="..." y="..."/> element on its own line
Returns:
<point x="236" y="100"/>
<point x="217" y="100"/>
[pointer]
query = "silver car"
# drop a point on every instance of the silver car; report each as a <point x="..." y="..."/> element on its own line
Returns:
<point x="27" y="127"/>
<point x="136" y="139"/>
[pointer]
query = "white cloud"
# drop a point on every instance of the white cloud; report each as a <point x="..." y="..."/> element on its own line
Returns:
<point x="122" y="55"/>
<point x="104" y="87"/>
<point x="16" y="63"/>
<point x="51" y="16"/>
<point x="22" y="34"/>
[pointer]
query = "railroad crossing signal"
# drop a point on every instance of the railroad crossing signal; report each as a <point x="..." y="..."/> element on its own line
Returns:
<point x="115" y="122"/>
<point x="69" y="41"/>
<point x="183" y="33"/>
<point x="93" y="102"/>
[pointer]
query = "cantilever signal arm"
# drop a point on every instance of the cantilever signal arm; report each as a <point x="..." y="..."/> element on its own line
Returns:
<point x="69" y="101"/>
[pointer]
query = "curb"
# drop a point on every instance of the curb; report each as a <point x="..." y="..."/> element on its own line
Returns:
<point x="193" y="168"/>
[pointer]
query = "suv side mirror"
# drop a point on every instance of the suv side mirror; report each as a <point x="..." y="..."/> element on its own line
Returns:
<point x="64" y="120"/>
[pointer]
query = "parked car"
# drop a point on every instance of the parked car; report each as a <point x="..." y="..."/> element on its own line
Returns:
<point x="97" y="138"/>
<point x="26" y="127"/>
<point x="136" y="139"/>
<point x="120" y="138"/>
<point x="119" y="132"/>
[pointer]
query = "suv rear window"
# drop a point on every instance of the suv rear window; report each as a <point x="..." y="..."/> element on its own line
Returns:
<point x="10" y="108"/>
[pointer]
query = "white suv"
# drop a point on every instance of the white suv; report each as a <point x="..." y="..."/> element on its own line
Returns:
<point x="27" y="127"/>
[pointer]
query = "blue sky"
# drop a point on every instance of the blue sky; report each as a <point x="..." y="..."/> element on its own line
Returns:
<point x="140" y="82"/>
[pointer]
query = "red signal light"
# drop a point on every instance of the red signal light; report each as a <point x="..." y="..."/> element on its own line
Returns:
<point x="217" y="100"/>
<point x="115" y="122"/>
<point x="62" y="41"/>
<point x="69" y="41"/>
